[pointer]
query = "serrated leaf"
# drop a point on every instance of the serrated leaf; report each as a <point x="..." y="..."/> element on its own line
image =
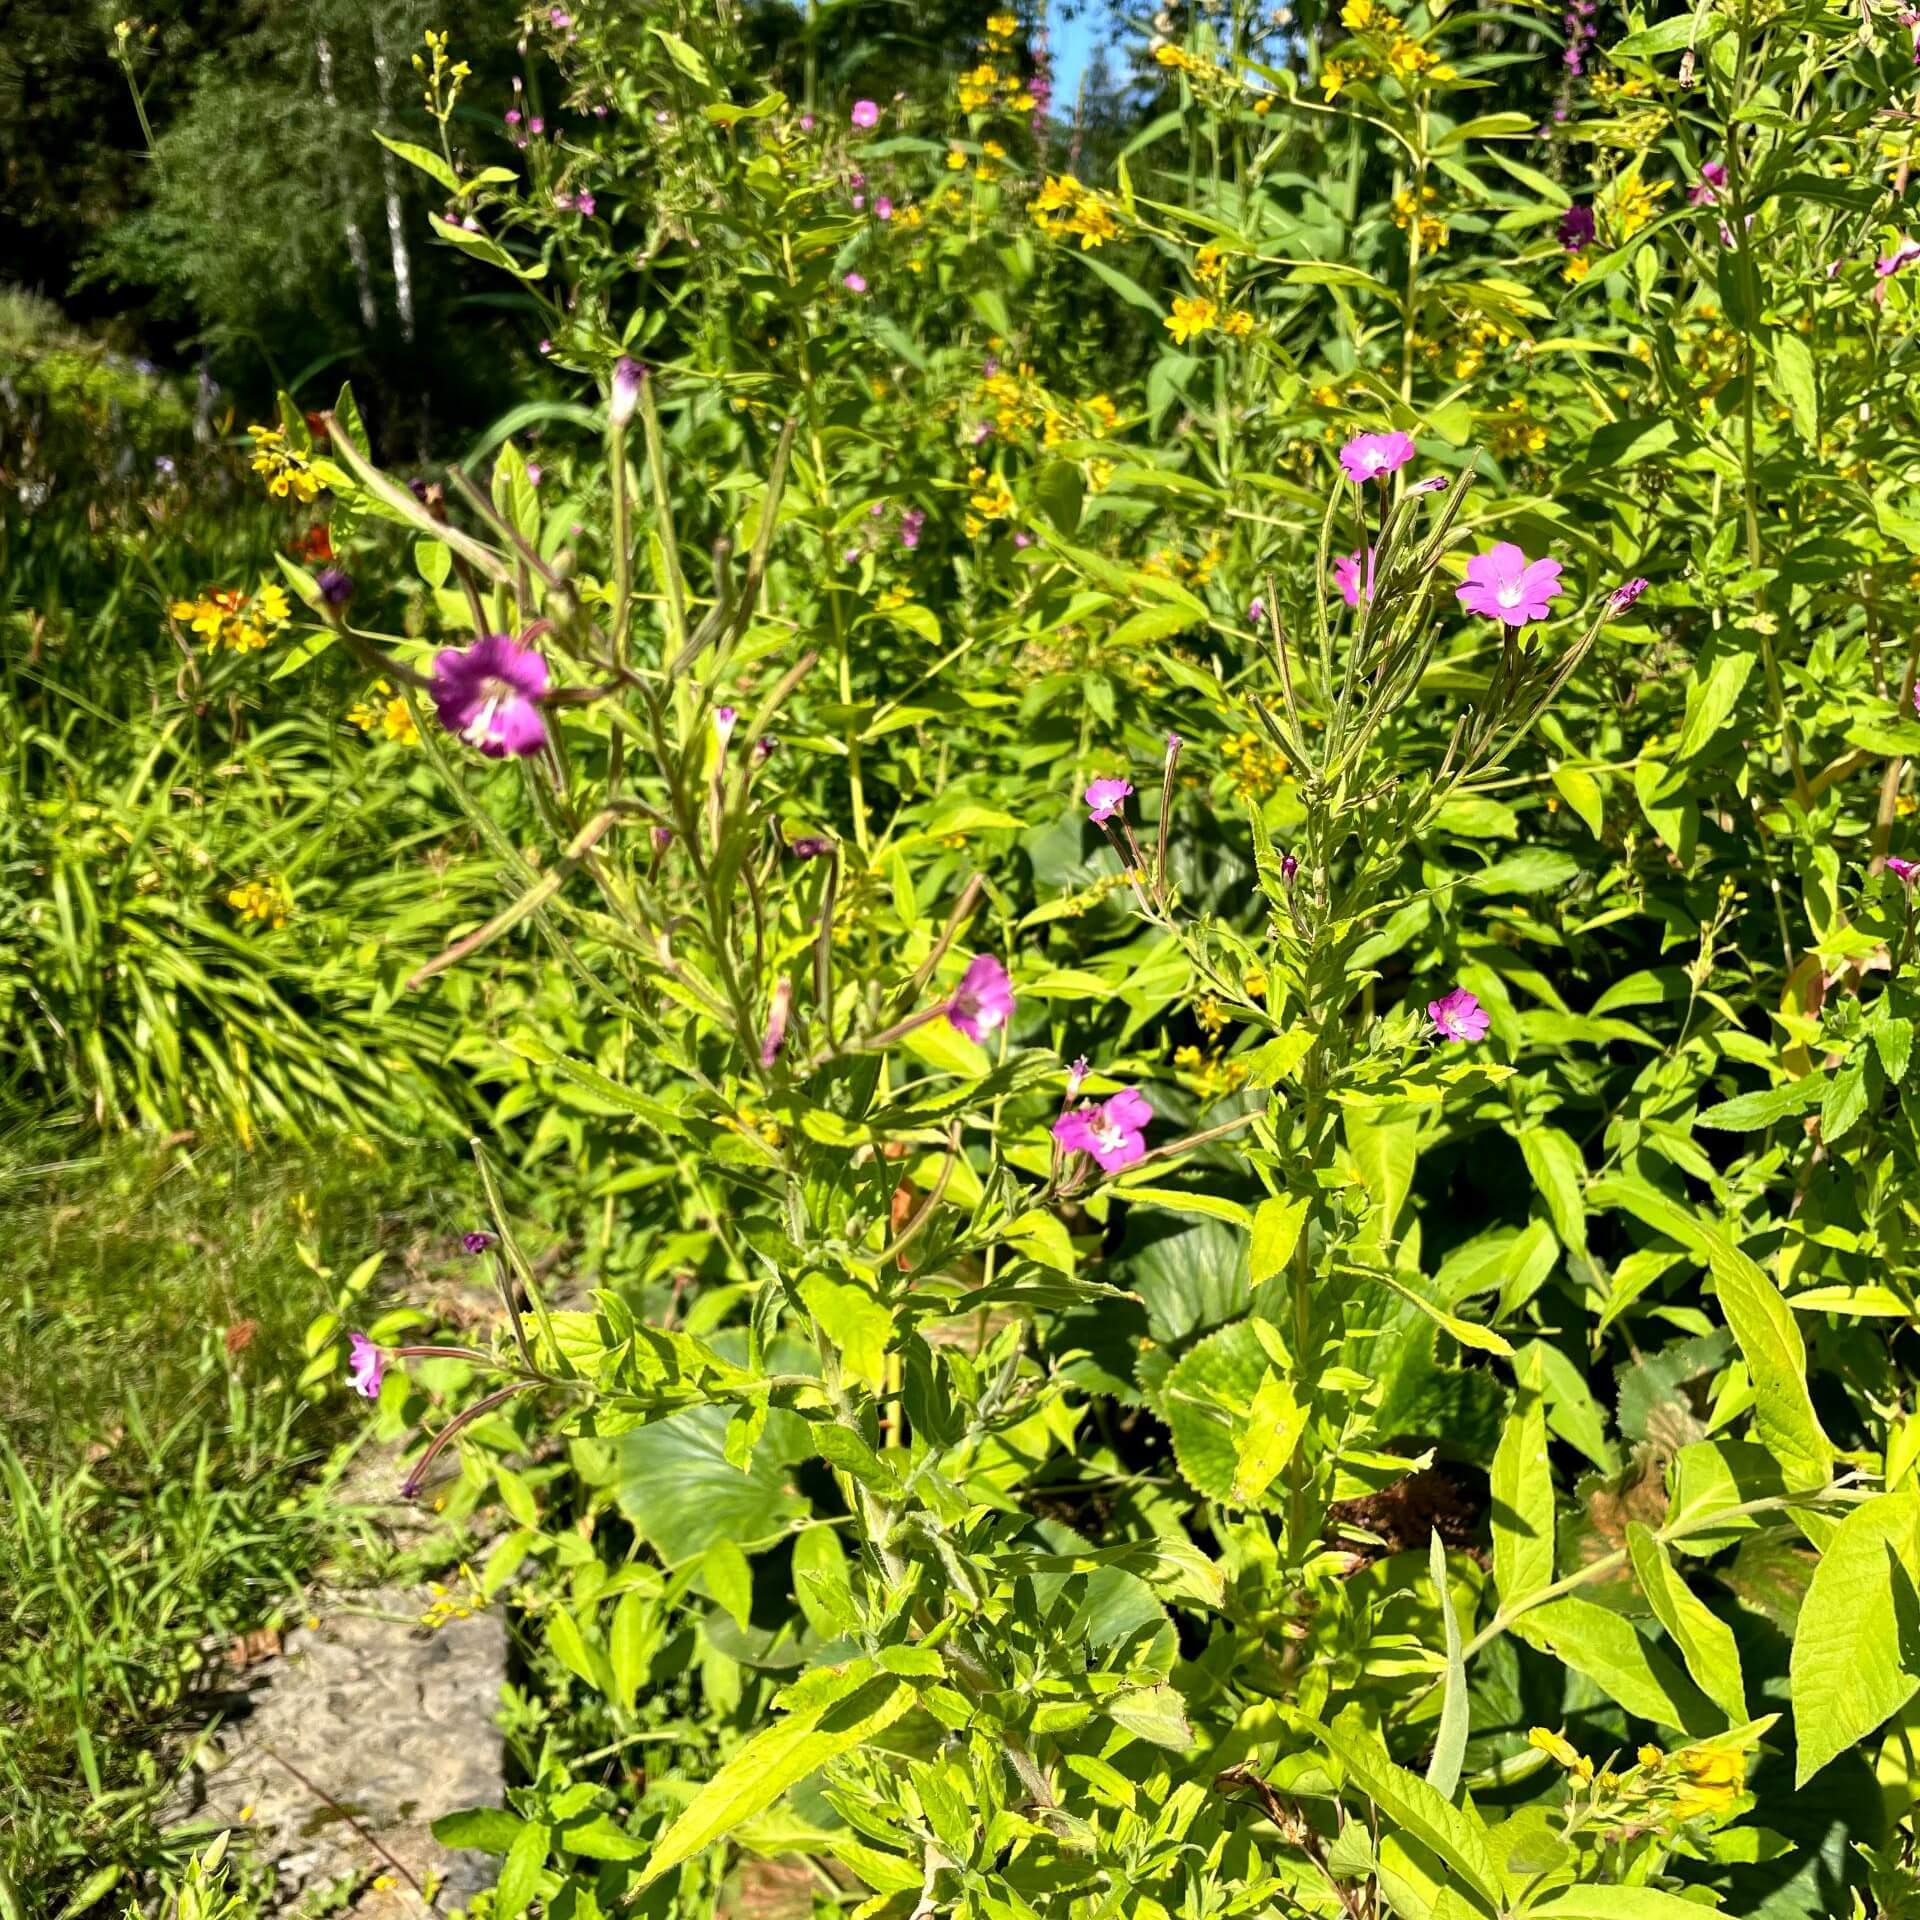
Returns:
<point x="1748" y="1112"/>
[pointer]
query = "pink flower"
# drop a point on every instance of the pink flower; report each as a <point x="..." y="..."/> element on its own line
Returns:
<point x="983" y="1001"/>
<point x="1372" y="456"/>
<point x="1458" y="1016"/>
<point x="1713" y="176"/>
<point x="489" y="694"/>
<point x="1904" y="255"/>
<point x="476" y="1242"/>
<point x="865" y="114"/>
<point x="583" y="204"/>
<point x="1908" y="870"/>
<point x="855" y="282"/>
<point x="1077" y="1076"/>
<point x="1114" y="1132"/>
<point x="1256" y="611"/>
<point x="776" y="1036"/>
<point x="883" y="208"/>
<point x="1435" y="483"/>
<point x="1105" y="798"/>
<point x="1624" y="595"/>
<point x="1346" y="576"/>
<point x="366" y="1366"/>
<point x="806" y="123"/>
<point x="1505" y="585"/>
<point x="910" y="524"/>
<point x="1289" y="866"/>
<point x="724" y="720"/>
<point x="628" y="378"/>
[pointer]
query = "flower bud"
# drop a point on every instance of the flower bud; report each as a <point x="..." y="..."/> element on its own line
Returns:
<point x="627" y="376"/>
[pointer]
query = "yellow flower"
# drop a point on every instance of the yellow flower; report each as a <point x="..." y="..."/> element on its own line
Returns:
<point x="1099" y="474"/>
<point x="1263" y="106"/>
<point x="1189" y="317"/>
<point x="1003" y="26"/>
<point x="226" y="618"/>
<point x="1237" y="324"/>
<point x="1209" y="266"/>
<point x="1556" y="1746"/>
<point x="1104" y="411"/>
<point x="383" y="711"/>
<point x="262" y="901"/>
<point x="270" y="603"/>
<point x="1361" y="16"/>
<point x="1635" y="203"/>
<point x="956" y="160"/>
<point x="1715" y="1778"/>
<point x="285" y="471"/>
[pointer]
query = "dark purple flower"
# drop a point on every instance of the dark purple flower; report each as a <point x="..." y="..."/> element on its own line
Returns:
<point x="1625" y="594"/>
<point x="810" y="846"/>
<point x="1577" y="228"/>
<point x="335" y="585"/>
<point x="366" y="1366"/>
<point x="476" y="1242"/>
<point x="1289" y="866"/>
<point x="490" y="694"/>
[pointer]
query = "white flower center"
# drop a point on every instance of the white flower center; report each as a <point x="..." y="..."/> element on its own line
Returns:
<point x="485" y="724"/>
<point x="1509" y="595"/>
<point x="1110" y="1136"/>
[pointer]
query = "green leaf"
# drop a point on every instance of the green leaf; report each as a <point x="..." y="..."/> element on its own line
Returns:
<point x="676" y="1486"/>
<point x="729" y="1580"/>
<point x="1582" y="791"/>
<point x="683" y="56"/>
<point x="1450" y="1737"/>
<point x="1602" y="1644"/>
<point x="1705" y="1641"/>
<point x="1457" y="1835"/>
<point x="484" y="248"/>
<point x="485" y="1829"/>
<point x="1793" y="380"/>
<point x="429" y="162"/>
<point x="857" y="1323"/>
<point x="1856" y="1651"/>
<point x="1131" y="291"/>
<point x="1594" y="1902"/>
<point x="520" y="1876"/>
<point x="1776" y="1356"/>
<point x="1560" y="1173"/>
<point x="1710" y="703"/>
<point x="1272" y="1433"/>
<point x="1521" y="1488"/>
<point x="1277" y="1226"/>
<point x="574" y="1652"/>
<point x="833" y="1712"/>
<point x="1154" y="1714"/>
<point x="821" y="1583"/>
<point x="1748" y="1112"/>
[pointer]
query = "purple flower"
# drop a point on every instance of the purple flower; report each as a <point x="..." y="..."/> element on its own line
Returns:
<point x="163" y="465"/>
<point x="335" y="585"/>
<point x="535" y="473"/>
<point x="366" y="1366"/>
<point x="1105" y="798"/>
<point x="1505" y="585"/>
<point x="1289" y="866"/>
<point x="854" y="282"/>
<point x="763" y="750"/>
<point x="1904" y="255"/>
<point x="1713" y="176"/>
<point x="724" y="719"/>
<point x="1434" y="483"/>
<point x="810" y="846"/>
<point x="1114" y="1131"/>
<point x="1576" y="229"/>
<point x="559" y="19"/>
<point x="983" y="1001"/>
<point x="776" y="1023"/>
<point x="490" y="694"/>
<point x="1372" y="456"/>
<point x="628" y="374"/>
<point x="583" y="204"/>
<point x="910" y="524"/>
<point x="1077" y="1076"/>
<point x="1624" y="595"/>
<point x="865" y="114"/>
<point x="1457" y="1016"/>
<point x="513" y="116"/>
<point x="476" y="1242"/>
<point x="1256" y="611"/>
<point x="536" y="125"/>
<point x="883" y="208"/>
<point x="806" y="123"/>
<point x="1346" y="576"/>
<point x="1908" y="870"/>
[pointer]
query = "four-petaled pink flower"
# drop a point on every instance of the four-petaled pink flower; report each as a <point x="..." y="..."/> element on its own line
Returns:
<point x="983" y="1001"/>
<point x="865" y="114"/>
<point x="1105" y="798"/>
<point x="490" y="694"/>
<point x="1625" y="594"/>
<point x="1713" y="176"/>
<point x="1372" y="456"/>
<point x="366" y="1366"/>
<point x="1346" y="576"/>
<point x="1505" y="585"/>
<point x="854" y="282"/>
<point x="1907" y="870"/>
<point x="1458" y="1016"/>
<point x="1114" y="1131"/>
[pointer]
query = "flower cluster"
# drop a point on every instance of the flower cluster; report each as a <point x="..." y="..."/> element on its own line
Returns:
<point x="267" y="902"/>
<point x="440" y="77"/>
<point x="1065" y="208"/>
<point x="288" y="473"/>
<point x="1381" y="46"/>
<point x="384" y="712"/>
<point x="1410" y="212"/>
<point x="994" y="85"/>
<point x="1661" y="1787"/>
<point x="225" y="617"/>
<point x="1198" y="314"/>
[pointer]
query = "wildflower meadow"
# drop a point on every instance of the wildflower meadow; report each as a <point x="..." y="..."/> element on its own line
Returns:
<point x="1034" y="896"/>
